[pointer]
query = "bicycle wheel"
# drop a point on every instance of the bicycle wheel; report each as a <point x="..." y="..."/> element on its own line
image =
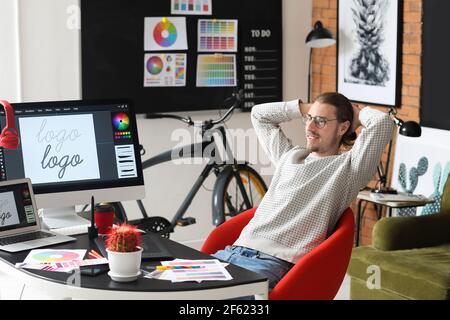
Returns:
<point x="228" y="200"/>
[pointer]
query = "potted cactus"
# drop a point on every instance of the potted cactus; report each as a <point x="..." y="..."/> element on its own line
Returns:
<point x="414" y="174"/>
<point x="123" y="246"/>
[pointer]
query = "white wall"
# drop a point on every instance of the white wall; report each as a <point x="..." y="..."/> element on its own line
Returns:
<point x="9" y="52"/>
<point x="50" y="59"/>
<point x="49" y="69"/>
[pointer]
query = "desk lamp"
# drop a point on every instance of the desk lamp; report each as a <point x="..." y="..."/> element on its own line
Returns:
<point x="319" y="37"/>
<point x="408" y="129"/>
<point x="92" y="230"/>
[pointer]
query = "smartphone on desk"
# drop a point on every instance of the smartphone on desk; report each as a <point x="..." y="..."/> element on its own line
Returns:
<point x="95" y="270"/>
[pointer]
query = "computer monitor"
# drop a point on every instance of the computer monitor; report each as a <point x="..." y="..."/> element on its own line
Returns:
<point x="73" y="150"/>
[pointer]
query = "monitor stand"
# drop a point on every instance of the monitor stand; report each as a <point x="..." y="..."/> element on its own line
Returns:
<point x="58" y="219"/>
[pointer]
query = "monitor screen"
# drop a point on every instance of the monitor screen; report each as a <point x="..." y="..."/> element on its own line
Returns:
<point x="72" y="150"/>
<point x="16" y="207"/>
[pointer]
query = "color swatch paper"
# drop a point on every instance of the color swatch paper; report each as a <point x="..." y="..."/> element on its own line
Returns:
<point x="217" y="35"/>
<point x="165" y="70"/>
<point x="162" y="34"/>
<point x="216" y="70"/>
<point x="197" y="7"/>
<point x="212" y="270"/>
<point x="62" y="266"/>
<point x="53" y="255"/>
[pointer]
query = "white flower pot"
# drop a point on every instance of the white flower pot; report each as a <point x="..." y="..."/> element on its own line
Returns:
<point x="124" y="266"/>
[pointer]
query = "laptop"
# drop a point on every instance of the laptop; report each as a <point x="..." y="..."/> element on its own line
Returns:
<point x="20" y="227"/>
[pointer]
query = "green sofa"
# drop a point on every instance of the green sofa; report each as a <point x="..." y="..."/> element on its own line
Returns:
<point x="411" y="256"/>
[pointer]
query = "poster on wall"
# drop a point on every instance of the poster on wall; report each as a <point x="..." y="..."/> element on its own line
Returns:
<point x="216" y="70"/>
<point x="191" y="7"/>
<point x="422" y="166"/>
<point x="59" y="148"/>
<point x="217" y="35"/>
<point x="165" y="70"/>
<point x="113" y="55"/>
<point x="163" y="34"/>
<point x="369" y="51"/>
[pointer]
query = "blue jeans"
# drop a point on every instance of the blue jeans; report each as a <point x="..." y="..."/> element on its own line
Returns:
<point x="269" y="266"/>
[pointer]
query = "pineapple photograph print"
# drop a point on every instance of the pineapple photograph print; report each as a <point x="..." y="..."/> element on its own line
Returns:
<point x="369" y="52"/>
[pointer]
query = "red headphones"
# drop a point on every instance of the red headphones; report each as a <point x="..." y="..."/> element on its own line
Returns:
<point x="9" y="138"/>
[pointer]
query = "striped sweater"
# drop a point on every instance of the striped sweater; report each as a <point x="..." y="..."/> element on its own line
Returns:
<point x="308" y="194"/>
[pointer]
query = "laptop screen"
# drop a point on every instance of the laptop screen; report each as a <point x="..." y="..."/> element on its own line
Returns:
<point x="16" y="207"/>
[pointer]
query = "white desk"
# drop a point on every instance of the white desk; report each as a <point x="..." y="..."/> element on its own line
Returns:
<point x="73" y="286"/>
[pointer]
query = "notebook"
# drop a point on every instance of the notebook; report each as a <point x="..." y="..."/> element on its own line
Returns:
<point x="20" y="227"/>
<point x="401" y="197"/>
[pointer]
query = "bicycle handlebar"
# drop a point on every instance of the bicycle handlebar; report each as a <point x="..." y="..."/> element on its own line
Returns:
<point x="187" y="120"/>
<point x="237" y="96"/>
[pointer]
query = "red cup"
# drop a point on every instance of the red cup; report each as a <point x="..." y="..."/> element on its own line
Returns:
<point x="104" y="217"/>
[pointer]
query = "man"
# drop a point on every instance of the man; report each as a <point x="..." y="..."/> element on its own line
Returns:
<point x="313" y="185"/>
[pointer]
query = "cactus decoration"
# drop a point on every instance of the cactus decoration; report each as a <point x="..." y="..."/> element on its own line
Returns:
<point x="368" y="66"/>
<point x="439" y="181"/>
<point x="414" y="175"/>
<point x="124" y="238"/>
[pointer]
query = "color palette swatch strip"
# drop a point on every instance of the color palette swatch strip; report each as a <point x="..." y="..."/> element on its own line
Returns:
<point x="206" y="270"/>
<point x="199" y="7"/>
<point x="216" y="70"/>
<point x="180" y="69"/>
<point x="217" y="35"/>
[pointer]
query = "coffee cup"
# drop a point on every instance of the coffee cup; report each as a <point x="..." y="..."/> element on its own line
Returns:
<point x="104" y="217"/>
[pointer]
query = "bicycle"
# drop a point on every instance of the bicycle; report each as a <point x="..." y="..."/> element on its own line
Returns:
<point x="249" y="187"/>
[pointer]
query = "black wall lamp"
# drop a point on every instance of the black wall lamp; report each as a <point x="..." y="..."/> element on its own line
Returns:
<point x="319" y="37"/>
<point x="408" y="129"/>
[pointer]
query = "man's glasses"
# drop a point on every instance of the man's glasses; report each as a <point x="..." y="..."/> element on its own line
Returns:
<point x="319" y="122"/>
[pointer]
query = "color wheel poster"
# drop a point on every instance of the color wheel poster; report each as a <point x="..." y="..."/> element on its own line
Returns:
<point x="217" y="35"/>
<point x="165" y="70"/>
<point x="163" y="34"/>
<point x="59" y="148"/>
<point x="216" y="70"/>
<point x="197" y="7"/>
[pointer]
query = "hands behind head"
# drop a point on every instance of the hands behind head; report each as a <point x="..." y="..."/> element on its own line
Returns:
<point x="356" y="123"/>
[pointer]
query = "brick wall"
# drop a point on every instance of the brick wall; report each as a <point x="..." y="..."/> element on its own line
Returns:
<point x="324" y="73"/>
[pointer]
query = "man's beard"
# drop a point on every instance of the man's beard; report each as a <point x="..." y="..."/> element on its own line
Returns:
<point x="313" y="148"/>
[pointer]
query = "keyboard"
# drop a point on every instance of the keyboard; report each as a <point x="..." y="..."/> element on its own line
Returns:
<point x="70" y="231"/>
<point x="25" y="237"/>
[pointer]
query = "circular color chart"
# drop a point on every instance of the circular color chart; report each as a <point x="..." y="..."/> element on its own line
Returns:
<point x="155" y="65"/>
<point x="121" y="121"/>
<point x="165" y="33"/>
<point x="56" y="256"/>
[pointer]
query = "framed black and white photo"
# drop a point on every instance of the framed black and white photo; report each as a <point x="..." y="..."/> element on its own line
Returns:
<point x="369" y="51"/>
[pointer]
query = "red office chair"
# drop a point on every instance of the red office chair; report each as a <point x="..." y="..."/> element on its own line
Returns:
<point x="316" y="276"/>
